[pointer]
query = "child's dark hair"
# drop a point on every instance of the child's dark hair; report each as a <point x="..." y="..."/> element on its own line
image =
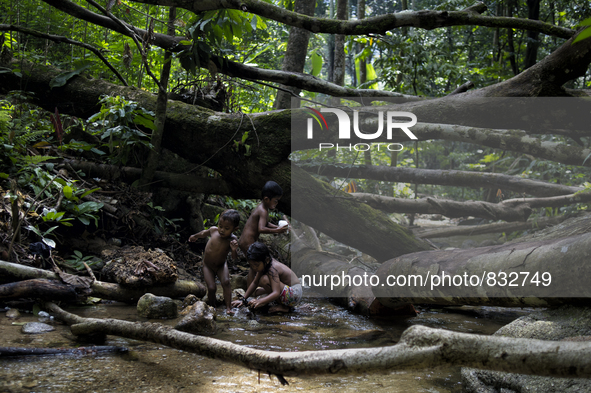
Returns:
<point x="231" y="215"/>
<point x="258" y="251"/>
<point x="271" y="190"/>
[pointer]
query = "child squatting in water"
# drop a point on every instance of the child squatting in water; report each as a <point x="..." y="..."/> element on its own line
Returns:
<point x="272" y="278"/>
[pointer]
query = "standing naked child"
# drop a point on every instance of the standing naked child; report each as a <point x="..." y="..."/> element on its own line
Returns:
<point x="273" y="278"/>
<point x="258" y="222"/>
<point x="214" y="258"/>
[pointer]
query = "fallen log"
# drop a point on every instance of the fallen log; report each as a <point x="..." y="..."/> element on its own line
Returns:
<point x="307" y="262"/>
<point x="106" y="290"/>
<point x="449" y="208"/>
<point x="161" y="179"/>
<point x="446" y="177"/>
<point x="39" y="288"/>
<point x="419" y="348"/>
<point x="470" y="230"/>
<point x="539" y="273"/>
<point x="19" y="351"/>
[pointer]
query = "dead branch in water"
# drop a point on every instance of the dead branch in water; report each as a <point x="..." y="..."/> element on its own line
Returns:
<point x="419" y="348"/>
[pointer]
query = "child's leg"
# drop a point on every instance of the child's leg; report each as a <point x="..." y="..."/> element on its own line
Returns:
<point x="224" y="276"/>
<point x="209" y="276"/>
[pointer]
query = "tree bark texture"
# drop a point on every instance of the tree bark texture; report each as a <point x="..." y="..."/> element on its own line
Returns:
<point x="342" y="217"/>
<point x="295" y="54"/>
<point x="306" y="261"/>
<point x="419" y="348"/>
<point x="39" y="288"/>
<point x="496" y="275"/>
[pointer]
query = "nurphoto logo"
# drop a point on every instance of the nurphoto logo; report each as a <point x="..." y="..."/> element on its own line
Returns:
<point x="344" y="129"/>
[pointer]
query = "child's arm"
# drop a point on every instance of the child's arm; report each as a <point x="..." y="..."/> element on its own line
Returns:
<point x="253" y="286"/>
<point x="276" y="288"/>
<point x="200" y="235"/>
<point x="266" y="227"/>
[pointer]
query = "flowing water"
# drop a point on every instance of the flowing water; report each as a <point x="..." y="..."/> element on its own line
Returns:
<point x="316" y="325"/>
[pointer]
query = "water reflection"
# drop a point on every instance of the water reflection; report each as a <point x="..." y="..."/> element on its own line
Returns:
<point x="151" y="367"/>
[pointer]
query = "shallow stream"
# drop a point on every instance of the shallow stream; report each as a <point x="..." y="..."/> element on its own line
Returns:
<point x="317" y="324"/>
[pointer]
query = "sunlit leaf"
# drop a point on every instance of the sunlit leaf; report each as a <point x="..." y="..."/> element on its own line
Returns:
<point x="316" y="64"/>
<point x="582" y="35"/>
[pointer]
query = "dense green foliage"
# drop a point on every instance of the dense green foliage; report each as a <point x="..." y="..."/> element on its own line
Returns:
<point x="410" y="61"/>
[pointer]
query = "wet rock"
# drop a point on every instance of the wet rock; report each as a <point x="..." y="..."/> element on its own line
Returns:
<point x="238" y="293"/>
<point x="151" y="306"/>
<point x="189" y="299"/>
<point x="253" y="325"/>
<point x="135" y="267"/>
<point x="567" y="323"/>
<point x="13" y="313"/>
<point x="199" y="318"/>
<point x="36" y="328"/>
<point x="44" y="317"/>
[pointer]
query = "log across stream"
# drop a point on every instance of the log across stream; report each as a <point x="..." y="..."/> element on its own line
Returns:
<point x="317" y="325"/>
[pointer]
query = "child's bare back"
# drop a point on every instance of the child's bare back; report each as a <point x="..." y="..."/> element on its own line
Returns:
<point x="256" y="223"/>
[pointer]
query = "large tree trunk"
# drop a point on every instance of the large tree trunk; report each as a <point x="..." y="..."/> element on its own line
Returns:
<point x="536" y="273"/>
<point x="295" y="55"/>
<point x="419" y="348"/>
<point x="308" y="263"/>
<point x="343" y="218"/>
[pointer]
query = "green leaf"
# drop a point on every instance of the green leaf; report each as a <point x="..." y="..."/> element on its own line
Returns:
<point x="586" y="22"/>
<point x="68" y="192"/>
<point x="583" y="35"/>
<point x="316" y="63"/>
<point x="63" y="78"/>
<point x="49" y="242"/>
<point x="89" y="192"/>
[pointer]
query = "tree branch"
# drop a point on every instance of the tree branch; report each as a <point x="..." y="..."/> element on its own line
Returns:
<point x="227" y="67"/>
<point x="419" y="347"/>
<point x="426" y="19"/>
<point x="442" y="177"/>
<point x="446" y="207"/>
<point x="473" y="230"/>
